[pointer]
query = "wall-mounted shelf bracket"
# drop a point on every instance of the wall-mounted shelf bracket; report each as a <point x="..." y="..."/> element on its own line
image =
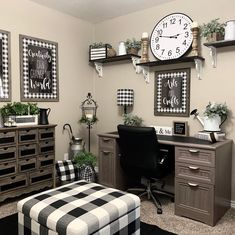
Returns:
<point x="136" y="60"/>
<point x="99" y="69"/>
<point x="145" y="72"/>
<point x="198" y="67"/>
<point x="213" y="55"/>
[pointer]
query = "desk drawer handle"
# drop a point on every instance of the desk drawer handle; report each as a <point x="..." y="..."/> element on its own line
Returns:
<point x="106" y="152"/>
<point x="193" y="167"/>
<point x="192" y="185"/>
<point x="193" y="151"/>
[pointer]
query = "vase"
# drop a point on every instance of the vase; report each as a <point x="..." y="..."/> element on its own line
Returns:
<point x="212" y="123"/>
<point x="230" y="30"/>
<point x="121" y="49"/>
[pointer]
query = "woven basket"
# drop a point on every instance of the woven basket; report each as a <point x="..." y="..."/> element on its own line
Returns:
<point x="111" y="52"/>
<point x="132" y="51"/>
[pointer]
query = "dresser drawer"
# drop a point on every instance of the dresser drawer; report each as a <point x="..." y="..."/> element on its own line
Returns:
<point x="195" y="156"/>
<point x="194" y="200"/>
<point x="195" y="172"/>
<point x="28" y="135"/>
<point x="7" y="137"/>
<point x="46" y="147"/>
<point x="8" y="154"/>
<point x="41" y="176"/>
<point x="107" y="143"/>
<point x="46" y="160"/>
<point x="27" y="164"/>
<point x="28" y="150"/>
<point x="7" y="168"/>
<point x="46" y="133"/>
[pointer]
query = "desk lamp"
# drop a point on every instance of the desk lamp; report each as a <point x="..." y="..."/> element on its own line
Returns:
<point x="125" y="97"/>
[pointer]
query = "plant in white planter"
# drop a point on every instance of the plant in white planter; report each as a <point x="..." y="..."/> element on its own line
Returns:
<point x="214" y="116"/>
<point x="17" y="113"/>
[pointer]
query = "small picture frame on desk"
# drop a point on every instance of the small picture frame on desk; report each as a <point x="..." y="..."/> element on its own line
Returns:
<point x="180" y="128"/>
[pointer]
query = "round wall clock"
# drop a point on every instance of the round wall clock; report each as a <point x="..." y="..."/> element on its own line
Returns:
<point x="171" y="37"/>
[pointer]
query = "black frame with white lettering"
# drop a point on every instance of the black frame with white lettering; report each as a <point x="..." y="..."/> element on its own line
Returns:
<point x="39" y="69"/>
<point x="172" y="93"/>
<point x="180" y="128"/>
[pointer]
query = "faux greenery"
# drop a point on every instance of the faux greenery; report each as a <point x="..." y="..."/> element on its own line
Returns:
<point x="86" y="120"/>
<point x="85" y="158"/>
<point x="132" y="120"/>
<point x="18" y="108"/>
<point x="100" y="45"/>
<point x="214" y="108"/>
<point x="132" y="43"/>
<point x="212" y="27"/>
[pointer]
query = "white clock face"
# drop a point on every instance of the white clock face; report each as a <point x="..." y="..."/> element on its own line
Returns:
<point x="171" y="37"/>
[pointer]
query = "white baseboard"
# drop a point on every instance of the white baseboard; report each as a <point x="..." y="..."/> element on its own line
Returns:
<point x="233" y="204"/>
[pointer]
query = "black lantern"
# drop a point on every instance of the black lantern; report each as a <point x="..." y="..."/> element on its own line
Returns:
<point x="89" y="108"/>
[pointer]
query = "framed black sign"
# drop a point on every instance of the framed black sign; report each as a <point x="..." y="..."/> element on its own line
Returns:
<point x="5" y="75"/>
<point x="39" y="65"/>
<point x="180" y="128"/>
<point x="171" y="93"/>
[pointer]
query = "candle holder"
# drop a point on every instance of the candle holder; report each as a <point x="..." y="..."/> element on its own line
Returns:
<point x="145" y="45"/>
<point x="195" y="50"/>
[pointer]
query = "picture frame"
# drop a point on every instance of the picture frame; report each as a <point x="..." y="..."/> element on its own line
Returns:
<point x="5" y="66"/>
<point x="39" y="69"/>
<point x="180" y="128"/>
<point x="172" y="92"/>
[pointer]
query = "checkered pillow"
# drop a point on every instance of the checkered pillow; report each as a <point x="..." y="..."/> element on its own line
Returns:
<point x="66" y="170"/>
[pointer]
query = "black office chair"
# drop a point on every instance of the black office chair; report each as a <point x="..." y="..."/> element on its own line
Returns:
<point x="141" y="157"/>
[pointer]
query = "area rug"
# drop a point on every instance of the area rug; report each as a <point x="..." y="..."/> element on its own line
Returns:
<point x="9" y="226"/>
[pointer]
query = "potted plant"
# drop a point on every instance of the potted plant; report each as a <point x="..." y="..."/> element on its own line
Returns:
<point x="213" y="31"/>
<point x="132" y="120"/>
<point x="132" y="46"/>
<point x="214" y="116"/>
<point x="17" y="113"/>
<point x="86" y="162"/>
<point x="98" y="50"/>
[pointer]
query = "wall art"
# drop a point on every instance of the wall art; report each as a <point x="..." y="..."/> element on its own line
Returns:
<point x="171" y="93"/>
<point x="5" y="73"/>
<point x="39" y="69"/>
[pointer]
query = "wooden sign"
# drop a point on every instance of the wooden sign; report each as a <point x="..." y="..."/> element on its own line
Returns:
<point x="171" y="96"/>
<point x="39" y="77"/>
<point x="180" y="128"/>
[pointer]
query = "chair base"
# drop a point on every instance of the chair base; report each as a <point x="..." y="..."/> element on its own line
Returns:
<point x="151" y="192"/>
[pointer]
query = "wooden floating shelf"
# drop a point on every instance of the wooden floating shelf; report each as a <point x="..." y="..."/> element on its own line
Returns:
<point x="115" y="58"/>
<point x="217" y="44"/>
<point x="174" y="61"/>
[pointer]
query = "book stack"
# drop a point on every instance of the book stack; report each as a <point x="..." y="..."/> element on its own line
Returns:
<point x="211" y="136"/>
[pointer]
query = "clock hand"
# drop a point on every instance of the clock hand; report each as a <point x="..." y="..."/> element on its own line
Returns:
<point x="174" y="36"/>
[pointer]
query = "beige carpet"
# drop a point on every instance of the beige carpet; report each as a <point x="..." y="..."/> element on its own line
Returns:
<point x="167" y="220"/>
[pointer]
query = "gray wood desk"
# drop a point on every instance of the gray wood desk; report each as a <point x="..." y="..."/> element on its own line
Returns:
<point x="202" y="174"/>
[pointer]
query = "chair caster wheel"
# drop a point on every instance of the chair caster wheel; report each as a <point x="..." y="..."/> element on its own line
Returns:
<point x="159" y="210"/>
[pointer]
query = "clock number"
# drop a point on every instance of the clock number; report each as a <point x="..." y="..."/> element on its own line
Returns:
<point x="164" y="25"/>
<point x="186" y="34"/>
<point x="185" y="26"/>
<point x="177" y="50"/>
<point x="170" y="53"/>
<point x="159" y="32"/>
<point x="156" y="39"/>
<point x="157" y="47"/>
<point x="172" y="21"/>
<point x="163" y="51"/>
<point x="184" y="42"/>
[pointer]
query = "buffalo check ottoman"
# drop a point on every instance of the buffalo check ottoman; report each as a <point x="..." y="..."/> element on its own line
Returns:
<point x="79" y="208"/>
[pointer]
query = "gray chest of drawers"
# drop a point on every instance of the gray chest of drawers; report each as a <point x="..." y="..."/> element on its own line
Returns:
<point x="26" y="159"/>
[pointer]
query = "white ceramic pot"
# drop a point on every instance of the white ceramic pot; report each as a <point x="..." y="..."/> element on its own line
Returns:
<point x="122" y="49"/>
<point x="230" y="30"/>
<point x="212" y="123"/>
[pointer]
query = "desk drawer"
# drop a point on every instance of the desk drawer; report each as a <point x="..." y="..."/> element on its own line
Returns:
<point x="195" y="156"/>
<point x="7" y="168"/>
<point x="28" y="164"/>
<point x="28" y="135"/>
<point x="107" y="143"/>
<point x="28" y="150"/>
<point x="8" y="154"/>
<point x="7" y="137"/>
<point x="194" y="172"/>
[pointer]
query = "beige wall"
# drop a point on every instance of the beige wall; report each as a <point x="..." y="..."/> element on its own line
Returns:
<point x="75" y="74"/>
<point x="216" y="85"/>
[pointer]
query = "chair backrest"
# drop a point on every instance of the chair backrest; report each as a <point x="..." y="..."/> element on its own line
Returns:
<point x="139" y="149"/>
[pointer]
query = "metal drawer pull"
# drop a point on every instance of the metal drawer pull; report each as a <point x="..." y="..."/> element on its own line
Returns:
<point x="106" y="140"/>
<point x="193" y="151"/>
<point x="192" y="185"/>
<point x="193" y="167"/>
<point x="106" y="152"/>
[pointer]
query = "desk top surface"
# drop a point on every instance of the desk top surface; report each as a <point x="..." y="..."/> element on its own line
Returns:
<point x="179" y="140"/>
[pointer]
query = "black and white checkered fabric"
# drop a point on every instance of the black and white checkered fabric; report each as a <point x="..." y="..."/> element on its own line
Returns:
<point x="87" y="173"/>
<point x="4" y="80"/>
<point x="66" y="170"/>
<point x="52" y="46"/>
<point x="125" y="97"/>
<point x="80" y="208"/>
